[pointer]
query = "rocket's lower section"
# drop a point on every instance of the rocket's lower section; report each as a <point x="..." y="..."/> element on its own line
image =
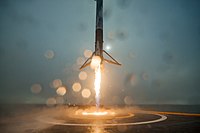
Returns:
<point x="96" y="53"/>
<point x="99" y="43"/>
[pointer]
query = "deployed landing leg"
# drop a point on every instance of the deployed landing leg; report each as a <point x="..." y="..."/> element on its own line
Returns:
<point x="112" y="61"/>
<point x="87" y="62"/>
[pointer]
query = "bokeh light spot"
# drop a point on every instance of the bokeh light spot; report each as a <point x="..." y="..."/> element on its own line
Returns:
<point x="61" y="91"/>
<point x="75" y="67"/>
<point x="76" y="87"/>
<point x="51" y="101"/>
<point x="133" y="80"/>
<point x="87" y="53"/>
<point x="82" y="75"/>
<point x="86" y="93"/>
<point x="49" y="54"/>
<point x="57" y="83"/>
<point x="128" y="100"/>
<point x="80" y="61"/>
<point x="36" y="88"/>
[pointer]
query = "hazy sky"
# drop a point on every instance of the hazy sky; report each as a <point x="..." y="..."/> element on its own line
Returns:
<point x="157" y="41"/>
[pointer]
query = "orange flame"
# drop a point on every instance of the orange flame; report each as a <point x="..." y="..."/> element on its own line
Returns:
<point x="96" y="64"/>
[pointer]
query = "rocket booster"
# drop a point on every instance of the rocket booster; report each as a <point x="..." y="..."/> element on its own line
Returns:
<point x="99" y="38"/>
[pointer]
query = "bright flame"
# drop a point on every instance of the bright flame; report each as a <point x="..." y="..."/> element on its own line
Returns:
<point x="97" y="84"/>
<point x="99" y="113"/>
<point x="95" y="113"/>
<point x="96" y="60"/>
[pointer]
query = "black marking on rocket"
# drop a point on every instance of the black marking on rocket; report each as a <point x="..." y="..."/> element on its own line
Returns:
<point x="99" y="14"/>
<point x="99" y="38"/>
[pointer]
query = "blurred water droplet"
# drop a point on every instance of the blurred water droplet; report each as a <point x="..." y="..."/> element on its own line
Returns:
<point x="80" y="61"/>
<point x="61" y="91"/>
<point x="132" y="80"/>
<point x="60" y="100"/>
<point x="128" y="100"/>
<point x="82" y="75"/>
<point x="36" y="88"/>
<point x="76" y="87"/>
<point x="86" y="93"/>
<point x="49" y="54"/>
<point x="87" y="53"/>
<point x="57" y="83"/>
<point x="51" y="102"/>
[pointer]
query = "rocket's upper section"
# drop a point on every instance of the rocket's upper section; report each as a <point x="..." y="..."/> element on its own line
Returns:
<point x="99" y="29"/>
<point x="99" y="14"/>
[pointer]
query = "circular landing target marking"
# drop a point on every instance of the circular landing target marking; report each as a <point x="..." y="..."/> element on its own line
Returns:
<point x="146" y="118"/>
